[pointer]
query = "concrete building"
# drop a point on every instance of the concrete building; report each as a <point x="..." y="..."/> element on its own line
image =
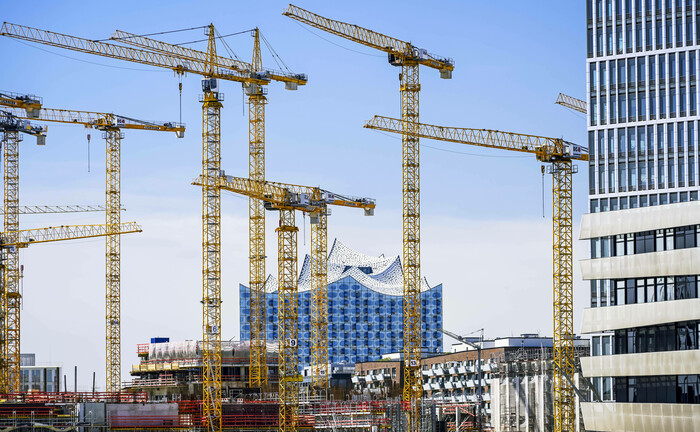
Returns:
<point x="365" y="313"/>
<point x="642" y="63"/>
<point x="42" y="378"/>
<point x="516" y="381"/>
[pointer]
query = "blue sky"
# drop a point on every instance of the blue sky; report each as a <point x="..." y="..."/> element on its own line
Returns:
<point x="484" y="236"/>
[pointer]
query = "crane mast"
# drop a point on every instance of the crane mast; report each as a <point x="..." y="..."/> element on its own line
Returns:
<point x="256" y="225"/>
<point x="287" y="306"/>
<point x="559" y="154"/>
<point x="11" y="293"/>
<point x="211" y="242"/>
<point x="409" y="58"/>
<point x="10" y="303"/>
<point x="319" y="299"/>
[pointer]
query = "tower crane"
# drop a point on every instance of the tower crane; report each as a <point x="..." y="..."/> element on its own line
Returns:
<point x="12" y="128"/>
<point x="112" y="126"/>
<point x="209" y="67"/>
<point x="313" y="200"/>
<point x="409" y="58"/>
<point x="559" y="154"/>
<point x="572" y="103"/>
<point x="256" y="171"/>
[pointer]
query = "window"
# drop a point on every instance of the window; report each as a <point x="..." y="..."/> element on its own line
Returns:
<point x="681" y="65"/>
<point x="662" y="67"/>
<point x="621" y="74"/>
<point x="681" y="136"/>
<point x="685" y="237"/>
<point x="644" y="242"/>
<point x="672" y="66"/>
<point x="632" y="182"/>
<point x="672" y="101"/>
<point x="622" y="175"/>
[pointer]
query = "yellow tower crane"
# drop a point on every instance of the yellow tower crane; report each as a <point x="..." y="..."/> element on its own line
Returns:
<point x="181" y="61"/>
<point x="572" y="103"/>
<point x="12" y="129"/>
<point x="112" y="126"/>
<point x="256" y="136"/>
<point x="313" y="200"/>
<point x="409" y="58"/>
<point x="559" y="154"/>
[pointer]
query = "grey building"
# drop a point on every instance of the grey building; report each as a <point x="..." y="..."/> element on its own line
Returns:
<point x="642" y="84"/>
<point x="42" y="378"/>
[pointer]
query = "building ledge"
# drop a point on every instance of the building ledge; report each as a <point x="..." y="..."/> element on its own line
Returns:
<point x="610" y="223"/>
<point x="608" y="318"/>
<point x="640" y="417"/>
<point x="677" y="262"/>
<point x="642" y="364"/>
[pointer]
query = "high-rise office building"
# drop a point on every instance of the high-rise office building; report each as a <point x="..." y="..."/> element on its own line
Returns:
<point x="642" y="93"/>
<point x="365" y="308"/>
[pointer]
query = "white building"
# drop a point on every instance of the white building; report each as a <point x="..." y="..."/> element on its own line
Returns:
<point x="642" y="63"/>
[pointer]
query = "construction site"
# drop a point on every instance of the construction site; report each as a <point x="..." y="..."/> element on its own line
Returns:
<point x="337" y="340"/>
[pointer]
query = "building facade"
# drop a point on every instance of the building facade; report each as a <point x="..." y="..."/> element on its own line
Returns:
<point x="365" y="312"/>
<point x="516" y="381"/>
<point x="41" y="378"/>
<point x="642" y="84"/>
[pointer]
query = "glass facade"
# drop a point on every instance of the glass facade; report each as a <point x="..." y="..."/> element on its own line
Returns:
<point x="642" y="94"/>
<point x="363" y="323"/>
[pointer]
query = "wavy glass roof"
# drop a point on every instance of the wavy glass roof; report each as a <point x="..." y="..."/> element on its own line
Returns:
<point x="380" y="274"/>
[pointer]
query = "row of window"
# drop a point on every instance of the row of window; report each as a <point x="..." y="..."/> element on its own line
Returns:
<point x="650" y="290"/>
<point x="666" y="337"/>
<point x="342" y="316"/>
<point x="629" y="164"/>
<point x="650" y="8"/>
<point x="643" y="290"/>
<point x="628" y="202"/>
<point x="641" y="141"/>
<point x="380" y="329"/>
<point x="629" y="102"/>
<point x="674" y="389"/>
<point x="653" y="28"/>
<point x="645" y="242"/>
<point x="636" y="71"/>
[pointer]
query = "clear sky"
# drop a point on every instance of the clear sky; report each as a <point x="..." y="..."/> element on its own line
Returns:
<point x="483" y="233"/>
